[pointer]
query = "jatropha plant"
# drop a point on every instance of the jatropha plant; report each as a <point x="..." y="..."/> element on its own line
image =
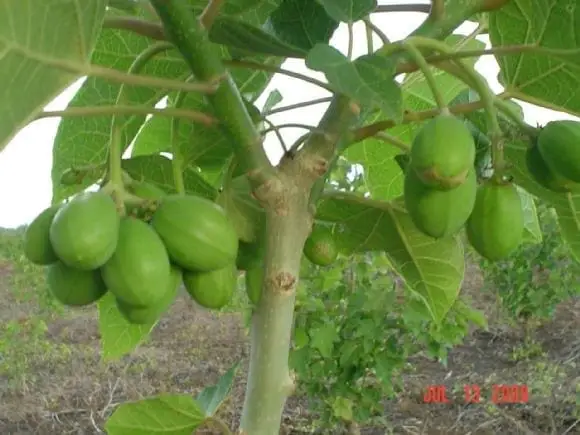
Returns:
<point x="197" y="200"/>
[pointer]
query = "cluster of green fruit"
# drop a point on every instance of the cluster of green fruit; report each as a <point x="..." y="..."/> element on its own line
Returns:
<point x="442" y="195"/>
<point x="90" y="249"/>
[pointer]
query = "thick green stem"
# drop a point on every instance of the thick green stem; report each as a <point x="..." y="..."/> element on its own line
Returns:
<point x="202" y="57"/>
<point x="269" y="381"/>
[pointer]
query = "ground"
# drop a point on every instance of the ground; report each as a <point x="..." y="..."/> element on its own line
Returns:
<point x="53" y="382"/>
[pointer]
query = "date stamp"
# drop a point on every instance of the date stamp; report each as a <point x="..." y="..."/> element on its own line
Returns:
<point x="500" y="394"/>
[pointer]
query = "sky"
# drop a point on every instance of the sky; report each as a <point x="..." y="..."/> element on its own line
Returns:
<point x="25" y="183"/>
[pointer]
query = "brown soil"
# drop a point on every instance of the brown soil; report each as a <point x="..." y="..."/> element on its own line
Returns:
<point x="70" y="391"/>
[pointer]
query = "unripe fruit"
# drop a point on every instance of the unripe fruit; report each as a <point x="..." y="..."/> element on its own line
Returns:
<point x="559" y="146"/>
<point x="37" y="246"/>
<point x="320" y="247"/>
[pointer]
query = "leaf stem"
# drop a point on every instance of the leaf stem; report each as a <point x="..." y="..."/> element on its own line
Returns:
<point x="298" y="105"/>
<point x="437" y="10"/>
<point x="350" y="41"/>
<point x="311" y="128"/>
<point x="382" y="36"/>
<point x="129" y="110"/>
<point x="192" y="40"/>
<point x="418" y="7"/>
<point x="115" y="75"/>
<point x="177" y="160"/>
<point x="393" y="140"/>
<point x="274" y="69"/>
<point x="138" y="26"/>
<point x="369" y="34"/>
<point x="210" y="13"/>
<point x="416" y="55"/>
<point x="276" y="131"/>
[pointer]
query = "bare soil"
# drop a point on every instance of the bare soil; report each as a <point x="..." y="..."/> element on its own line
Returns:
<point x="64" y="387"/>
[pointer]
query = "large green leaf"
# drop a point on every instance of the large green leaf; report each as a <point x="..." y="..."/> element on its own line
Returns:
<point x="348" y="11"/>
<point x="34" y="34"/>
<point x="166" y="414"/>
<point x="567" y="205"/>
<point x="433" y="269"/>
<point x="157" y="169"/>
<point x="552" y="80"/>
<point x="302" y="23"/>
<point x="234" y="33"/>
<point x="383" y="176"/>
<point x="211" y="398"/>
<point x="118" y="337"/>
<point x="368" y="79"/>
<point x="84" y="141"/>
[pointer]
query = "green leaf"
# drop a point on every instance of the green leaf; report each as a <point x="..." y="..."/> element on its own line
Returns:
<point x="242" y="36"/>
<point x="118" y="337"/>
<point x="242" y="209"/>
<point x="368" y="79"/>
<point x="323" y="337"/>
<point x="567" y="205"/>
<point x="348" y="11"/>
<point x="130" y="6"/>
<point x="432" y="268"/>
<point x="34" y="34"/>
<point x="342" y="408"/>
<point x="84" y="140"/>
<point x="274" y="98"/>
<point x="157" y="170"/>
<point x="532" y="230"/>
<point x="301" y="23"/>
<point x="164" y="414"/>
<point x="551" y="80"/>
<point x="211" y="398"/>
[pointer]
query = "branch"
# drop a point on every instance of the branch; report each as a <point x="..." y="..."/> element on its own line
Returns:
<point x="298" y="105"/>
<point x="274" y="69"/>
<point x="189" y="36"/>
<point x="211" y="11"/>
<point x="129" y="110"/>
<point x="418" y="7"/>
<point x="371" y="130"/>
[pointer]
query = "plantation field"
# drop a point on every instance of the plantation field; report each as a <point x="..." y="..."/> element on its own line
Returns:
<point x="53" y="382"/>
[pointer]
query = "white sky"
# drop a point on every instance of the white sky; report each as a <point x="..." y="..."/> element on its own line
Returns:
<point x="26" y="162"/>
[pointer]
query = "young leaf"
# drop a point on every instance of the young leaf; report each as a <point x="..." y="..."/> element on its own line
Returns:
<point x="30" y="41"/>
<point x="551" y="79"/>
<point x="118" y="337"/>
<point x="242" y="36"/>
<point x="323" y="337"/>
<point x="532" y="230"/>
<point x="84" y="140"/>
<point x="348" y="11"/>
<point x="432" y="268"/>
<point x="165" y="414"/>
<point x="315" y="26"/>
<point x="157" y="169"/>
<point x="274" y="98"/>
<point x="211" y="398"/>
<point x="368" y="79"/>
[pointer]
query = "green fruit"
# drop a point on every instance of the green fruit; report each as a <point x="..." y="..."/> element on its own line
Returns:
<point x="196" y="232"/>
<point x="496" y="226"/>
<point x="544" y="176"/>
<point x="146" y="315"/>
<point x="213" y="289"/>
<point x="84" y="231"/>
<point x="249" y="255"/>
<point x="439" y="213"/>
<point x="443" y="152"/>
<point x="139" y="270"/>
<point x="559" y="145"/>
<point x="320" y="247"/>
<point x="37" y="246"/>
<point x="74" y="287"/>
<point x="146" y="190"/>
<point x="254" y="278"/>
